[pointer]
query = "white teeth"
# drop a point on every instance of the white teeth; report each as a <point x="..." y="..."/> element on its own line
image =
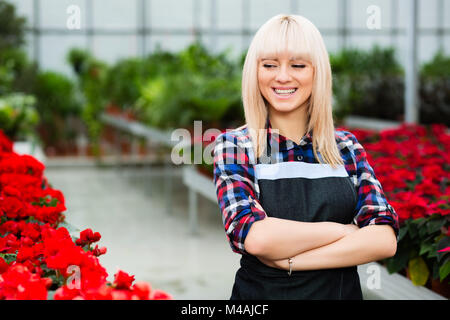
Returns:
<point x="287" y="91"/>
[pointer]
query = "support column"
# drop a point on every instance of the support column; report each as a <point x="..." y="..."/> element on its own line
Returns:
<point x="411" y="78"/>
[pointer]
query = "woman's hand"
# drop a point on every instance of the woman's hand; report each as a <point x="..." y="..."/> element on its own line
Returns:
<point x="278" y="264"/>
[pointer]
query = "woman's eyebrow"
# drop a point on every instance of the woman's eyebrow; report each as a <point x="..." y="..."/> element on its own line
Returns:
<point x="291" y="59"/>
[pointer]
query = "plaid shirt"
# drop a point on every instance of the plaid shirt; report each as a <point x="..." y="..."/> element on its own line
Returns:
<point x="237" y="189"/>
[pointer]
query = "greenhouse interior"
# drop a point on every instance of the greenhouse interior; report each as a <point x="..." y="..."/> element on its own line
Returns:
<point x="109" y="113"/>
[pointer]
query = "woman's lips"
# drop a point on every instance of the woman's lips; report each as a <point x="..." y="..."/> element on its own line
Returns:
<point x="284" y="94"/>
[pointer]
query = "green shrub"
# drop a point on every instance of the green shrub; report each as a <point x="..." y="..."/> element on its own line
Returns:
<point x="367" y="83"/>
<point x="123" y="82"/>
<point x="91" y="75"/>
<point x="16" y="71"/>
<point x="203" y="86"/>
<point x="12" y="27"/>
<point x="434" y="90"/>
<point x="371" y="84"/>
<point x="18" y="115"/>
<point x="57" y="103"/>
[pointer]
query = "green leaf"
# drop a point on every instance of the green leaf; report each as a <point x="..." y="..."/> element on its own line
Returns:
<point x="412" y="228"/>
<point x="435" y="273"/>
<point x="419" y="221"/>
<point x="402" y="232"/>
<point x="418" y="270"/>
<point x="435" y="225"/>
<point x="8" y="257"/>
<point x="425" y="247"/>
<point x="443" y="243"/>
<point x="400" y="260"/>
<point x="444" y="270"/>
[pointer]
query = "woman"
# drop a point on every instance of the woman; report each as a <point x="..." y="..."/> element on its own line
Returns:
<point x="289" y="185"/>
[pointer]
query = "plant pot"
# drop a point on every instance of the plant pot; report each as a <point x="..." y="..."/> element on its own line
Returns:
<point x="442" y="288"/>
<point x="142" y="149"/>
<point x="92" y="151"/>
<point x="109" y="134"/>
<point x="125" y="147"/>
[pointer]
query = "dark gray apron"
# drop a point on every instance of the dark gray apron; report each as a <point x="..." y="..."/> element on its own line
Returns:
<point x="308" y="200"/>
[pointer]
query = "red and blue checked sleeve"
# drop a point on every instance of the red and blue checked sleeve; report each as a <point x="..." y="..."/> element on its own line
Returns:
<point x="234" y="178"/>
<point x="372" y="206"/>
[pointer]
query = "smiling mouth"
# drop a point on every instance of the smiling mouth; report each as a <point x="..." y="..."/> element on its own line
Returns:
<point x="284" y="93"/>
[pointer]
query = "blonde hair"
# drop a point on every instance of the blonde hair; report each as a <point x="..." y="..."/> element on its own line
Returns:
<point x="299" y="37"/>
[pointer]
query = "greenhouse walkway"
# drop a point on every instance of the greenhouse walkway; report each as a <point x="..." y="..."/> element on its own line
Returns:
<point x="126" y="205"/>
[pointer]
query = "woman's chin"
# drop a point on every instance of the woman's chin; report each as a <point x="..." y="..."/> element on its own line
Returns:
<point x="285" y="107"/>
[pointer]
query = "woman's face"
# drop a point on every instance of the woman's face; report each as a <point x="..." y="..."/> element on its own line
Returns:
<point x="285" y="81"/>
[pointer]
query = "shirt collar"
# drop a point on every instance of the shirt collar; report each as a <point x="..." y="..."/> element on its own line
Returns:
<point x="284" y="142"/>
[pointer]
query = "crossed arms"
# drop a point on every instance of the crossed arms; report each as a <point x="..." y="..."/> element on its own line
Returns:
<point x="318" y="245"/>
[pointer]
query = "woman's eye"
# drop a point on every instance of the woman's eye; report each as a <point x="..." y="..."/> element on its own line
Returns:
<point x="300" y="66"/>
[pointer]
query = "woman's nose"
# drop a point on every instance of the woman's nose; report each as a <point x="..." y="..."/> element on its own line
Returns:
<point x="283" y="74"/>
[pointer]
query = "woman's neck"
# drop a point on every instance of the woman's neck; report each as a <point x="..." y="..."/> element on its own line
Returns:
<point x="292" y="125"/>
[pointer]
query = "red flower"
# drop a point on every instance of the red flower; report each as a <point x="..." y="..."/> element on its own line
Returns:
<point x="122" y="280"/>
<point x="9" y="191"/>
<point x="24" y="254"/>
<point x="3" y="265"/>
<point x="363" y="134"/>
<point x="441" y="207"/>
<point x="12" y="207"/>
<point x="104" y="292"/>
<point x="428" y="188"/>
<point x="434" y="173"/>
<point x="121" y="294"/>
<point x="98" y="251"/>
<point x="19" y="283"/>
<point x="410" y="205"/>
<point x="65" y="293"/>
<point x="88" y="237"/>
<point x="160" y="295"/>
<point x="142" y="290"/>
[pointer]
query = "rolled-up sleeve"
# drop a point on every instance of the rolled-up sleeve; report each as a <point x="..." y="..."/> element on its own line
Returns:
<point x="372" y="206"/>
<point x="234" y="180"/>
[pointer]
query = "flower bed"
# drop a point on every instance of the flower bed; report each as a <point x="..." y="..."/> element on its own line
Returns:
<point x="38" y="256"/>
<point x="412" y="163"/>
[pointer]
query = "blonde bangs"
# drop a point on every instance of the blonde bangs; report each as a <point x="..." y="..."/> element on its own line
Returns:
<point x="276" y="37"/>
